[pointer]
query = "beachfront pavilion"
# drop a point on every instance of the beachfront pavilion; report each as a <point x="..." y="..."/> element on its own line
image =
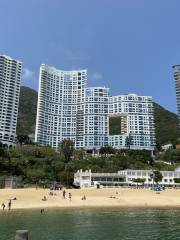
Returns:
<point x="127" y="177"/>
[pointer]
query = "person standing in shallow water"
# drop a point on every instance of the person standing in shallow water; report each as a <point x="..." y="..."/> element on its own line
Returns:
<point x="9" y="205"/>
<point x="3" y="206"/>
<point x="42" y="210"/>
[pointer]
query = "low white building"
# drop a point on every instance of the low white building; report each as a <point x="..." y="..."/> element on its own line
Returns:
<point x="167" y="147"/>
<point x="124" y="178"/>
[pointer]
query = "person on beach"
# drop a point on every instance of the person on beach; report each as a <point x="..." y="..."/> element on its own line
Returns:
<point x="83" y="198"/>
<point x="44" y="199"/>
<point x="70" y="196"/>
<point x="3" y="206"/>
<point x="64" y="194"/>
<point x="9" y="205"/>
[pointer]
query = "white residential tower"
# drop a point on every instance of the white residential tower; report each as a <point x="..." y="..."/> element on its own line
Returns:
<point x="10" y="78"/>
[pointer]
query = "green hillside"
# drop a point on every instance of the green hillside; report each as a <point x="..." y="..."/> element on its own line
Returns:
<point x="27" y="111"/>
<point x="166" y="123"/>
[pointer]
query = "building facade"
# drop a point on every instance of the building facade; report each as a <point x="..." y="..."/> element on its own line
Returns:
<point x="68" y="109"/>
<point x="9" y="181"/>
<point x="60" y="111"/>
<point x="136" y="121"/>
<point x="177" y="86"/>
<point x="124" y="178"/>
<point x="96" y="117"/>
<point x="10" y="78"/>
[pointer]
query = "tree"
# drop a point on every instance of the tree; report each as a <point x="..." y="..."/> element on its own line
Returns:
<point x="171" y="155"/>
<point x="2" y="150"/>
<point x="128" y="141"/>
<point x="35" y="175"/>
<point x="66" y="147"/>
<point x="177" y="180"/>
<point x="79" y="154"/>
<point x="57" y="167"/>
<point x="106" y="150"/>
<point x="157" y="176"/>
<point x="23" y="139"/>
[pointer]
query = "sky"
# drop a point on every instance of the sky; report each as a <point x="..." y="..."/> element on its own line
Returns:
<point x="126" y="45"/>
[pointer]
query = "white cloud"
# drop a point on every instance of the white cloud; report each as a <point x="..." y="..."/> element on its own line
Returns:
<point x="27" y="73"/>
<point x="97" y="76"/>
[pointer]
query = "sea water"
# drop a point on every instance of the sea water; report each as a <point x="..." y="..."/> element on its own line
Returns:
<point x="93" y="224"/>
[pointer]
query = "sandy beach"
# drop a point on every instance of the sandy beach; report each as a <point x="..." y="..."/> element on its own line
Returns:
<point x="114" y="197"/>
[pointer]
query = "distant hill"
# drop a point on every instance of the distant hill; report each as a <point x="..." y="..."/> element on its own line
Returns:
<point x="166" y="123"/>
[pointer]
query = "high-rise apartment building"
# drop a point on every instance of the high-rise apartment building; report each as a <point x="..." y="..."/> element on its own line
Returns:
<point x="89" y="116"/>
<point x="10" y="78"/>
<point x="60" y="113"/>
<point x="177" y="85"/>
<point x="135" y="118"/>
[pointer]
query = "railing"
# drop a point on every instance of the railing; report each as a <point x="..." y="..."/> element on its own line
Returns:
<point x="107" y="175"/>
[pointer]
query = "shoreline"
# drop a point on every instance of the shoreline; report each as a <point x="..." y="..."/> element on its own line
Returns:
<point x="134" y="207"/>
<point x="31" y="199"/>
